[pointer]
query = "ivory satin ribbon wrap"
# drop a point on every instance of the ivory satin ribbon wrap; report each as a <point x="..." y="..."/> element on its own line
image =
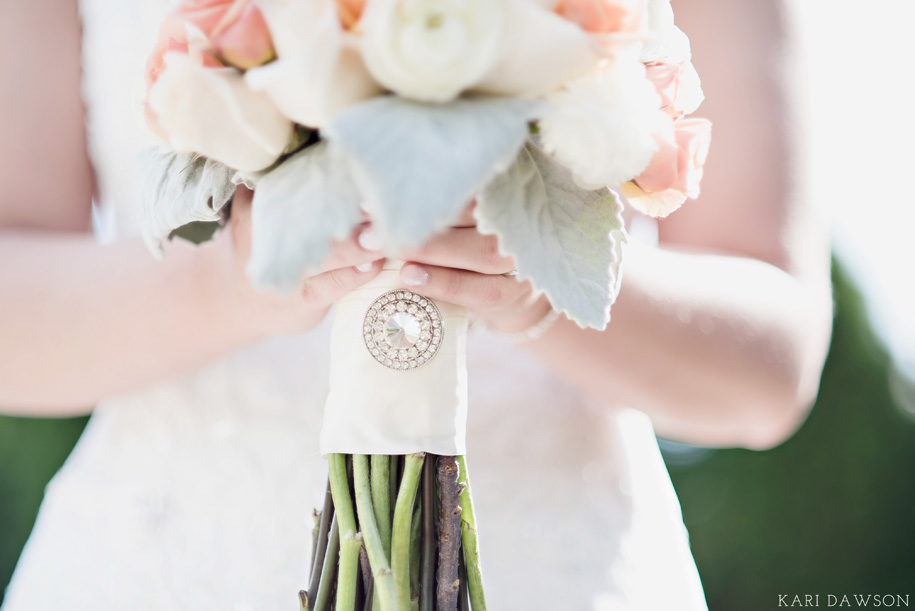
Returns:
<point x="375" y="410"/>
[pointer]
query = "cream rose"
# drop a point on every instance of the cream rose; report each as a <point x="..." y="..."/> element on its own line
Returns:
<point x="664" y="42"/>
<point x="602" y="126"/>
<point x="212" y="112"/>
<point x="540" y="53"/>
<point x="319" y="70"/>
<point x="432" y="50"/>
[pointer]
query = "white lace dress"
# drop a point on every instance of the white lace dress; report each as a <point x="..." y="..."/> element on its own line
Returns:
<point x="197" y="493"/>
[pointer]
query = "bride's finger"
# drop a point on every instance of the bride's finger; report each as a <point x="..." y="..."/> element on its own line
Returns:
<point x="464" y="248"/>
<point x="360" y="249"/>
<point x="328" y="287"/>
<point x="470" y="289"/>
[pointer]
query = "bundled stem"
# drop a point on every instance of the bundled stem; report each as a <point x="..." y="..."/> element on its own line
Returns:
<point x="470" y="540"/>
<point x="365" y="570"/>
<point x="449" y="539"/>
<point x="350" y="539"/>
<point x="463" y="595"/>
<point x="381" y="499"/>
<point x="381" y="570"/>
<point x="415" y="555"/>
<point x="403" y="516"/>
<point x="427" y="568"/>
<point x="326" y="584"/>
<point x="320" y="547"/>
<point x="411" y="561"/>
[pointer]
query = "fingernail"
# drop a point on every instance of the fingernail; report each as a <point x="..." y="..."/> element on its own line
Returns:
<point x="414" y="275"/>
<point x="364" y="267"/>
<point x="369" y="239"/>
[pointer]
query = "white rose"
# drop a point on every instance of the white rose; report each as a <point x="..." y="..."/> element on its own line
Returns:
<point x="212" y="112"/>
<point x="431" y="50"/>
<point x="541" y="52"/>
<point x="664" y="42"/>
<point x="602" y="126"/>
<point x="319" y="70"/>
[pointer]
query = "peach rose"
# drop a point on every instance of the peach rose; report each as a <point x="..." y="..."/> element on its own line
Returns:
<point x="674" y="172"/>
<point x="603" y="16"/>
<point x="678" y="85"/>
<point x="235" y="30"/>
<point x="172" y="39"/>
<point x="350" y="12"/>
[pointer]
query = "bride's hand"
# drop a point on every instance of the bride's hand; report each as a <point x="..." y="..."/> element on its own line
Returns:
<point x="348" y="266"/>
<point x="463" y="266"/>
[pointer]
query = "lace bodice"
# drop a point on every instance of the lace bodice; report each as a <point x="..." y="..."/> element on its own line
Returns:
<point x="197" y="492"/>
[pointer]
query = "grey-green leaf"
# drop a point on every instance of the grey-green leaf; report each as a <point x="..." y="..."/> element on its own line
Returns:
<point x="299" y="208"/>
<point x="419" y="164"/>
<point x="180" y="188"/>
<point x="565" y="240"/>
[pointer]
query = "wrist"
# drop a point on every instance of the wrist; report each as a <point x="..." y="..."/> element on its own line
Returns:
<point x="528" y="325"/>
<point x="224" y="292"/>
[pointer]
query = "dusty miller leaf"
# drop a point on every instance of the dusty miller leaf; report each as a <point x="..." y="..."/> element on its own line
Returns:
<point x="299" y="208"/>
<point x="178" y="189"/>
<point x="419" y="164"/>
<point x="197" y="232"/>
<point x="565" y="240"/>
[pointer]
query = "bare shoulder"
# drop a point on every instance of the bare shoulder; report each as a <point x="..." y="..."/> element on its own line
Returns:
<point x="47" y="176"/>
<point x="755" y="201"/>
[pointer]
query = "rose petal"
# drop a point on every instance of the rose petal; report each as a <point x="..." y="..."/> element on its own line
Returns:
<point x="657" y="205"/>
<point x="318" y="71"/>
<point x="212" y="112"/>
<point x="540" y="53"/>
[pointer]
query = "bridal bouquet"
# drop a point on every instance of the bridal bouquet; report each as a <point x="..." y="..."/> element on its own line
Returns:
<point x="407" y="110"/>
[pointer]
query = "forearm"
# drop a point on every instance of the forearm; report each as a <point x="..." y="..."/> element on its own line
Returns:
<point x="717" y="350"/>
<point x="82" y="321"/>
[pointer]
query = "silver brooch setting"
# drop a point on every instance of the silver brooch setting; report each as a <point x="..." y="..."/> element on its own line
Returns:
<point x="403" y="330"/>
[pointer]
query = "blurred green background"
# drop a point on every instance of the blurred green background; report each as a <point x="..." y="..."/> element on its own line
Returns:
<point x="828" y="512"/>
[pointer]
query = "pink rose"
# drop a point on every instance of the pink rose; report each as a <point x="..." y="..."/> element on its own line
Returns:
<point x="674" y="173"/>
<point x="678" y="85"/>
<point x="602" y="16"/>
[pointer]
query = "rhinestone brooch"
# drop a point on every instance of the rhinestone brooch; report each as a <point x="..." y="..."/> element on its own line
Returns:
<point x="403" y="330"/>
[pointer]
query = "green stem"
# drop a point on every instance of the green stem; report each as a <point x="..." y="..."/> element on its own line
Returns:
<point x="348" y="573"/>
<point x="471" y="543"/>
<point x="316" y="519"/>
<point x="381" y="570"/>
<point x="381" y="499"/>
<point x="395" y="480"/>
<point x="326" y="584"/>
<point x="427" y="570"/>
<point x="370" y="598"/>
<point x="403" y="516"/>
<point x="350" y="540"/>
<point x="463" y="595"/>
<point x="415" y="554"/>
<point x="317" y="563"/>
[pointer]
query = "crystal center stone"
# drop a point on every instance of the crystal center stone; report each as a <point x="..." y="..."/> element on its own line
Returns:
<point x="401" y="330"/>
